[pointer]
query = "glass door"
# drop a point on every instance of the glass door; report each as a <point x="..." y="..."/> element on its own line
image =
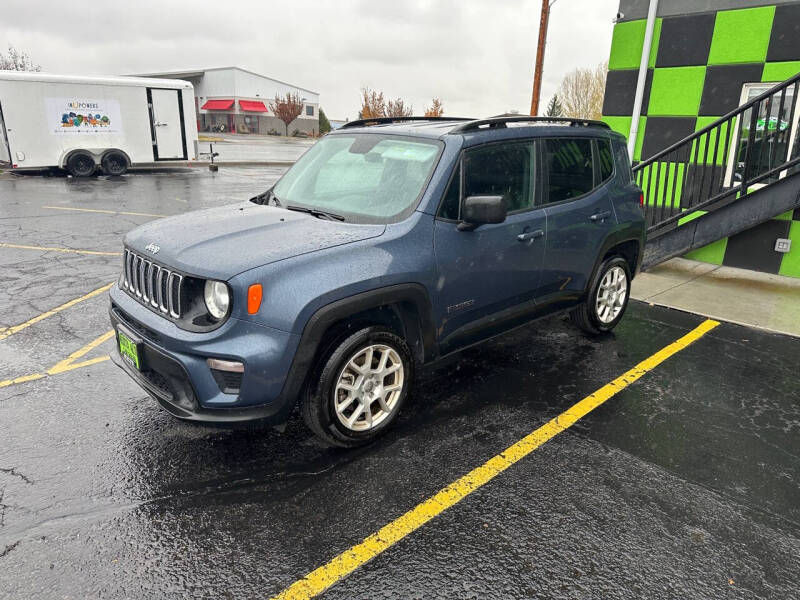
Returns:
<point x="773" y="140"/>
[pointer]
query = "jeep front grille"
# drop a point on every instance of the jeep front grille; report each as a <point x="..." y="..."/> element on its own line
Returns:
<point x="155" y="286"/>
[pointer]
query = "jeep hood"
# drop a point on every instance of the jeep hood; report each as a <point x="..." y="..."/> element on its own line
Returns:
<point x="219" y="243"/>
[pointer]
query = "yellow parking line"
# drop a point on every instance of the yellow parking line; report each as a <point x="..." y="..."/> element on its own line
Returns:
<point x="22" y="379"/>
<point x="345" y="563"/>
<point x="49" y="249"/>
<point x="4" y="333"/>
<point x="68" y="364"/>
<point x="103" y="211"/>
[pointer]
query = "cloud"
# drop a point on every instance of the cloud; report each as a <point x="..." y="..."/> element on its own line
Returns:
<point x="476" y="55"/>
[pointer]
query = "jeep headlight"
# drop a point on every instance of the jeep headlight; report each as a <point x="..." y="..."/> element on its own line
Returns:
<point x="218" y="298"/>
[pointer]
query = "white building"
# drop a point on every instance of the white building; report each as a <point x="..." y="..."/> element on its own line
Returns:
<point x="238" y="101"/>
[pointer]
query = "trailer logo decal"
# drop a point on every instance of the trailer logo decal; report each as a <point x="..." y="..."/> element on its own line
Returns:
<point x="83" y="116"/>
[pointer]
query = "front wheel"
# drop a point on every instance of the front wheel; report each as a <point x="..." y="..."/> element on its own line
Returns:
<point x="359" y="388"/>
<point x="607" y="298"/>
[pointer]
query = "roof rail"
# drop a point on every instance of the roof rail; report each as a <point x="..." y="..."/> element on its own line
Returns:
<point x="495" y="122"/>
<point x="389" y="120"/>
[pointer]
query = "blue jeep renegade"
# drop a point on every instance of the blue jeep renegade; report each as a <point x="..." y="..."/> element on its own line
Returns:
<point x="388" y="245"/>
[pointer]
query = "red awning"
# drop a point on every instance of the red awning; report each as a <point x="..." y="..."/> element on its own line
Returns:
<point x="218" y="105"/>
<point x="252" y="105"/>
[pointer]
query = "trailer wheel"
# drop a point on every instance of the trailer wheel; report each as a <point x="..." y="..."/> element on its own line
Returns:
<point x="81" y="164"/>
<point x="114" y="163"/>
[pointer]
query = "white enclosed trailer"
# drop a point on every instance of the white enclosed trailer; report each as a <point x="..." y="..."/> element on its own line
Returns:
<point x="83" y="124"/>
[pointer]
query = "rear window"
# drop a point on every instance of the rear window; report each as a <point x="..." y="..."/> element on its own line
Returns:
<point x="605" y="160"/>
<point x="569" y="168"/>
<point x="623" y="163"/>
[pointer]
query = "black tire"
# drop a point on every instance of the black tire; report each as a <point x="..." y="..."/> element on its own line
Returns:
<point x="586" y="315"/>
<point x="115" y="163"/>
<point x="81" y="164"/>
<point x="318" y="402"/>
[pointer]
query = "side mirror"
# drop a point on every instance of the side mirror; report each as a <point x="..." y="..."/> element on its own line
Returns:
<point x="480" y="210"/>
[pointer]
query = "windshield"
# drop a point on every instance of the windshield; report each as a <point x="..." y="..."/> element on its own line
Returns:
<point x="365" y="177"/>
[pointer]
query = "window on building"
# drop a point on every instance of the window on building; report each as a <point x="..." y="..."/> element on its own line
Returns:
<point x="569" y="168"/>
<point x="310" y="111"/>
<point x="501" y="170"/>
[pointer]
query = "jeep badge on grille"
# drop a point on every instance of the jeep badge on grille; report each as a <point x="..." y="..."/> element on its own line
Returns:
<point x="153" y="248"/>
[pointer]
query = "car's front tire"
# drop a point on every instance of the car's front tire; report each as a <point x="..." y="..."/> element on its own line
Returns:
<point x="607" y="299"/>
<point x="358" y="388"/>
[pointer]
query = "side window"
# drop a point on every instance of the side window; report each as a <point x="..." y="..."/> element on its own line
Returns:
<point x="569" y="168"/>
<point x="623" y="163"/>
<point x="605" y="160"/>
<point x="452" y="197"/>
<point x="500" y="170"/>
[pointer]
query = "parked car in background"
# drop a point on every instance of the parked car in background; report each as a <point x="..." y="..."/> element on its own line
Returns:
<point x="390" y="244"/>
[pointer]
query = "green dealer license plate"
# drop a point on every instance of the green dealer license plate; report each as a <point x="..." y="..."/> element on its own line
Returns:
<point x="129" y="349"/>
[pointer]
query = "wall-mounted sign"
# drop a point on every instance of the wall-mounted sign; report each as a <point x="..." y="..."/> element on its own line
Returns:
<point x="83" y="116"/>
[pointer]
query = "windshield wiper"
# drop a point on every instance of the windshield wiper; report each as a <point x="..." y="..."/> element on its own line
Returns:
<point x="266" y="198"/>
<point x="320" y="214"/>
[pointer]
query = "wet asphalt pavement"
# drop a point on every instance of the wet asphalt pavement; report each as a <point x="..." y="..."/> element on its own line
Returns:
<point x="684" y="485"/>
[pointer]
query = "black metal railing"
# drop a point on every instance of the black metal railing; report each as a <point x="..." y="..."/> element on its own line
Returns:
<point x="720" y="163"/>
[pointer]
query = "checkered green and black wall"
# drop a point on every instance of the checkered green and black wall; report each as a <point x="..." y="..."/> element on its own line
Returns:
<point x="699" y="62"/>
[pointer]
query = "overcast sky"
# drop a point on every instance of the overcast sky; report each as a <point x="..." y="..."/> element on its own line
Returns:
<point x="477" y="56"/>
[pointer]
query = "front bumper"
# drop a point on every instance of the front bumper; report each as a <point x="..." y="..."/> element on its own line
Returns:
<point x="176" y="374"/>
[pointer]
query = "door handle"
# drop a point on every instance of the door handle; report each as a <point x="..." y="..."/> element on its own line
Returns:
<point x="600" y="216"/>
<point x="530" y="235"/>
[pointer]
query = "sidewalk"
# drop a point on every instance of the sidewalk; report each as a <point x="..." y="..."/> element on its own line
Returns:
<point x="762" y="300"/>
<point x="255" y="149"/>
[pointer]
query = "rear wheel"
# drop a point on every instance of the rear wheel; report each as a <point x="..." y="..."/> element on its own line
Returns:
<point x="114" y="163"/>
<point x="359" y="388"/>
<point x="81" y="164"/>
<point x="607" y="298"/>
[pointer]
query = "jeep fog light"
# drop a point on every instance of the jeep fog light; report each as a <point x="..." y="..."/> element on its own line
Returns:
<point x="217" y="298"/>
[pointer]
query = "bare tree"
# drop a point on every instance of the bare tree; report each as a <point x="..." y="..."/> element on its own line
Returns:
<point x="581" y="92"/>
<point x="436" y="108"/>
<point x="287" y="108"/>
<point x="397" y="108"/>
<point x="17" y="60"/>
<point x="373" y="106"/>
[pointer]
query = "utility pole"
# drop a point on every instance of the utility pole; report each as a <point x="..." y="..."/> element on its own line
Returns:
<point x="537" y="74"/>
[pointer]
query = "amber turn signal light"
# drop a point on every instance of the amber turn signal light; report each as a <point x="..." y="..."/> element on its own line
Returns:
<point x="254" y="294"/>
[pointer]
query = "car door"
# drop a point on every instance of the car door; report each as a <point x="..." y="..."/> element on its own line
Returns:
<point x="487" y="277"/>
<point x="580" y="213"/>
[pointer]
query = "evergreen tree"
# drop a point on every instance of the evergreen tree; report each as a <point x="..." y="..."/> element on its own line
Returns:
<point x="324" y="124"/>
<point x="554" y="108"/>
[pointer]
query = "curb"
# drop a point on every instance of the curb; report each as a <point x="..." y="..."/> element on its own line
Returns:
<point x="205" y="163"/>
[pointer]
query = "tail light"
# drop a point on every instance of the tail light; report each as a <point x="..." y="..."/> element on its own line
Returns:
<point x="641" y="199"/>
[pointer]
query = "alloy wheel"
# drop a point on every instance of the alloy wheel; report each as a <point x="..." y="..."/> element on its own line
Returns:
<point x="611" y="295"/>
<point x="368" y="387"/>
